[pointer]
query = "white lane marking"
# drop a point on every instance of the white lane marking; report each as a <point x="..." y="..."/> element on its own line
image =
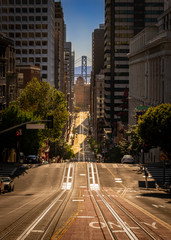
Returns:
<point x="39" y="231"/>
<point x="38" y="219"/>
<point x="78" y="200"/>
<point x="82" y="174"/>
<point x="86" y="217"/>
<point x="119" y="181"/>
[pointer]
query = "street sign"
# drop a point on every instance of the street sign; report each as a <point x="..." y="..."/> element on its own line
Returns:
<point x="35" y="126"/>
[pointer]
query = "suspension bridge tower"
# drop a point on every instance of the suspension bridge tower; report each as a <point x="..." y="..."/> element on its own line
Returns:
<point x="84" y="68"/>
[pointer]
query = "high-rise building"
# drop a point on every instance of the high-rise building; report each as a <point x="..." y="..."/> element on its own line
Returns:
<point x="97" y="80"/>
<point x="123" y="20"/>
<point x="59" y="47"/>
<point x="31" y="24"/>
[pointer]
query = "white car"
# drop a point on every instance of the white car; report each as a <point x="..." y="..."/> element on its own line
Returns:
<point x="127" y="159"/>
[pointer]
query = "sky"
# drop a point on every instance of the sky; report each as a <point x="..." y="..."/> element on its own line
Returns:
<point x="81" y="18"/>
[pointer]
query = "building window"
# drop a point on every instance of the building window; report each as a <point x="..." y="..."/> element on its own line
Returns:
<point x="11" y="35"/>
<point x="44" y="51"/>
<point x="44" y="18"/>
<point x="11" y="10"/>
<point x="38" y="10"/>
<point x="44" y="26"/>
<point x="38" y="26"/>
<point x="18" y="51"/>
<point x="24" y="1"/>
<point x="31" y="43"/>
<point x="24" y="34"/>
<point x="38" y="51"/>
<point x="4" y="18"/>
<point x="44" y="68"/>
<point x="31" y="34"/>
<point x="31" y="1"/>
<point x="24" y="26"/>
<point x="18" y="26"/>
<point x="44" y="43"/>
<point x="4" y="10"/>
<point x="24" y="43"/>
<point x="18" y="1"/>
<point x="11" y="18"/>
<point x="24" y="10"/>
<point x="38" y="34"/>
<point x="31" y="26"/>
<point x="38" y="43"/>
<point x="31" y="18"/>
<point x="37" y="59"/>
<point x="17" y="34"/>
<point x="31" y="10"/>
<point x="24" y="60"/>
<point x="4" y="26"/>
<point x="18" y="18"/>
<point x="18" y="10"/>
<point x="38" y="18"/>
<point x="11" y="26"/>
<point x="44" y="59"/>
<point x="44" y="1"/>
<point x="31" y="59"/>
<point x="44" y="10"/>
<point x="44" y="34"/>
<point x="44" y="76"/>
<point x="31" y="51"/>
<point x="38" y="1"/>
<point x="24" y="18"/>
<point x="18" y="43"/>
<point x="24" y="51"/>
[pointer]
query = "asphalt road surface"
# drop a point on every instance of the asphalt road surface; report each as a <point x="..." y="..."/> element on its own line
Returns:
<point x="84" y="200"/>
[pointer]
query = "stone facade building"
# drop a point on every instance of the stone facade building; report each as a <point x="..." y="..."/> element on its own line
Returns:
<point x="82" y="94"/>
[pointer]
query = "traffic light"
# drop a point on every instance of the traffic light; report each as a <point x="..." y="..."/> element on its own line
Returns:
<point x="50" y="122"/>
<point x="19" y="132"/>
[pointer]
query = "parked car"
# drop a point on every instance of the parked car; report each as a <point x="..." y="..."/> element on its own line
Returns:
<point x="32" y="159"/>
<point x="127" y="159"/>
<point x="1" y="186"/>
<point x="8" y="184"/>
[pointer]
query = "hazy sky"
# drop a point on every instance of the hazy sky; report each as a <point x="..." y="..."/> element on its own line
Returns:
<point x="81" y="18"/>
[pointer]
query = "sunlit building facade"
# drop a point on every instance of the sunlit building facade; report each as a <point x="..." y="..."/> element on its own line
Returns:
<point x="31" y="24"/>
<point x="123" y="20"/>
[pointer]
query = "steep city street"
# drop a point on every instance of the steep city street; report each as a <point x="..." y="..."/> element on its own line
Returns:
<point x="83" y="199"/>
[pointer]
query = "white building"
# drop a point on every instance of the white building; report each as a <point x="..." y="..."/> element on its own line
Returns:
<point x="31" y="23"/>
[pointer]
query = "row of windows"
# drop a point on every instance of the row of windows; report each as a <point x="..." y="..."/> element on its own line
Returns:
<point x="127" y="4"/>
<point x="31" y="51"/>
<point x="24" y="1"/>
<point x="132" y="20"/>
<point x="23" y="10"/>
<point x="154" y="12"/>
<point x="31" y="59"/>
<point x="24" y="18"/>
<point x="23" y="26"/>
<point x="31" y="43"/>
<point x="30" y="34"/>
<point x="117" y="81"/>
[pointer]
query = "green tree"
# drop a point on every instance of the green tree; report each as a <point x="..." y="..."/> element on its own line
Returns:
<point x="13" y="116"/>
<point x="154" y="127"/>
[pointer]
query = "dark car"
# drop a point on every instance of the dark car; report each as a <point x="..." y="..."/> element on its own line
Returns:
<point x="8" y="184"/>
<point x="32" y="159"/>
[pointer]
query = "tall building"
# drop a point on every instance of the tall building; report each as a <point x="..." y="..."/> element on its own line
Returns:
<point x="97" y="79"/>
<point x="31" y="24"/>
<point x="123" y="20"/>
<point x="59" y="47"/>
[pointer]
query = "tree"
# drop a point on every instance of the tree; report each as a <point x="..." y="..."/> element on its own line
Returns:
<point x="13" y="116"/>
<point x="43" y="101"/>
<point x="154" y="127"/>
